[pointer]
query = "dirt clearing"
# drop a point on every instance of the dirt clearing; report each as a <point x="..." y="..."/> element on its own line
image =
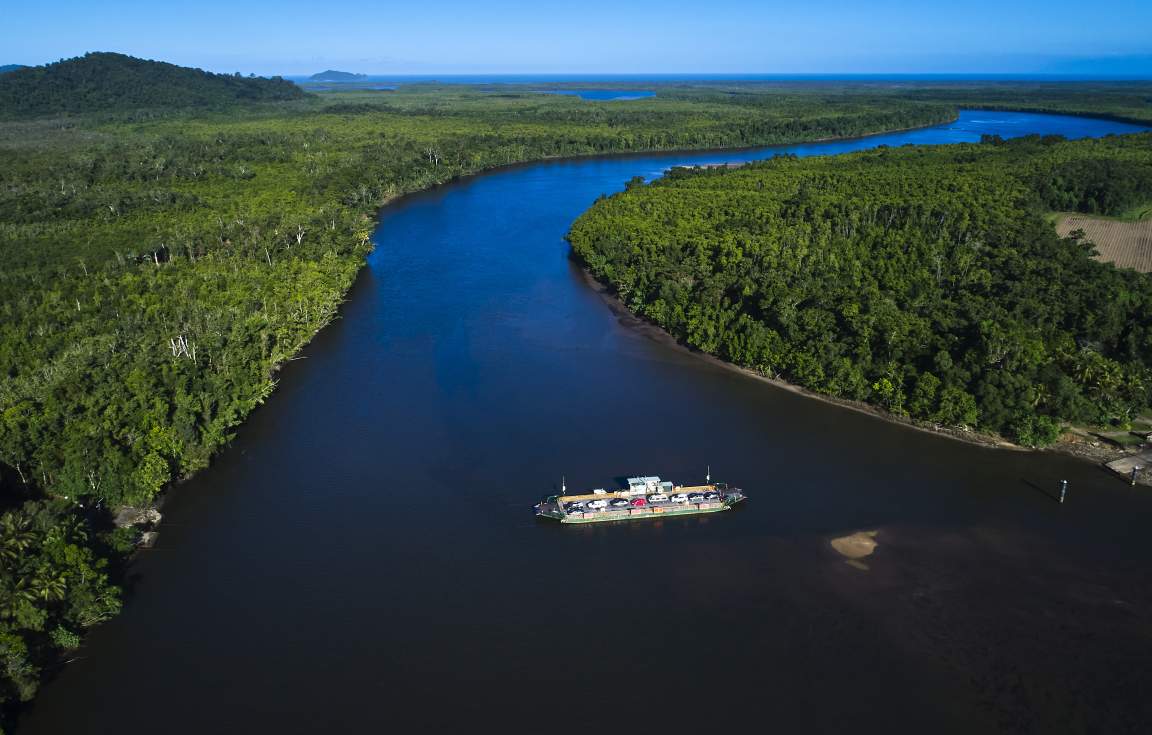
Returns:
<point x="1127" y="244"/>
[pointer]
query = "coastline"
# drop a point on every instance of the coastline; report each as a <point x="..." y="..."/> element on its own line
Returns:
<point x="1096" y="455"/>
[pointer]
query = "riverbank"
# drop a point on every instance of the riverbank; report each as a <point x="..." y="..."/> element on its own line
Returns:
<point x="1072" y="444"/>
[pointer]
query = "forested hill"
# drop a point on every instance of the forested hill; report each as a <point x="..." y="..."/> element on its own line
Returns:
<point x="4" y="69"/>
<point x="110" y="81"/>
<point x="923" y="280"/>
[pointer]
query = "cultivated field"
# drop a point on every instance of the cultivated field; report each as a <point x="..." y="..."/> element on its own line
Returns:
<point x="1127" y="244"/>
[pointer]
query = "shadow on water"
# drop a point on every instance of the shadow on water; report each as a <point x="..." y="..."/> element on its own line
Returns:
<point x="1055" y="497"/>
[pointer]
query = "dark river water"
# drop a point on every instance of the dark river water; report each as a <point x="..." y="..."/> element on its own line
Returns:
<point x="364" y="557"/>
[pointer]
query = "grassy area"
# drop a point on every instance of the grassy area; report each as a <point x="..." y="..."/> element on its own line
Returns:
<point x="1137" y="213"/>
<point x="1120" y="439"/>
<point x="1134" y="213"/>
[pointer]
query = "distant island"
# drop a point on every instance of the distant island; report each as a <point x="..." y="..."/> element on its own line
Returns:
<point x="336" y="76"/>
<point x="5" y="68"/>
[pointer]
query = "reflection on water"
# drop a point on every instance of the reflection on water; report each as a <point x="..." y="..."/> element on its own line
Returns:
<point x="603" y="94"/>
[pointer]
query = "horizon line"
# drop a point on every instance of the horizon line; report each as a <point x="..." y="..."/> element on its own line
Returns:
<point x="688" y="74"/>
<point x="1142" y="75"/>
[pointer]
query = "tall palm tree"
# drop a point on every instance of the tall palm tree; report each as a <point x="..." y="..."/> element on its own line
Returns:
<point x="16" y="536"/>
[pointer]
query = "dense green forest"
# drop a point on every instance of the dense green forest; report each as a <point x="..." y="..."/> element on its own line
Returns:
<point x="108" y="81"/>
<point x="923" y="280"/>
<point x="1121" y="100"/>
<point x="169" y="238"/>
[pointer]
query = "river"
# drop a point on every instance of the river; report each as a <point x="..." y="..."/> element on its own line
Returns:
<point x="363" y="558"/>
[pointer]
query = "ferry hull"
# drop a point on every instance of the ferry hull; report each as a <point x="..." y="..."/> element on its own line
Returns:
<point x="552" y="512"/>
<point x="618" y="517"/>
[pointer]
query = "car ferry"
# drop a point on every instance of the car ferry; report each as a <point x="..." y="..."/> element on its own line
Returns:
<point x="645" y="497"/>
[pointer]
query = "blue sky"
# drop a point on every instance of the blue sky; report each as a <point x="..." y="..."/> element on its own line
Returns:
<point x="596" y="36"/>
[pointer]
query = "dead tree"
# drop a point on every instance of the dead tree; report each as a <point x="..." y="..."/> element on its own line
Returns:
<point x="181" y="347"/>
